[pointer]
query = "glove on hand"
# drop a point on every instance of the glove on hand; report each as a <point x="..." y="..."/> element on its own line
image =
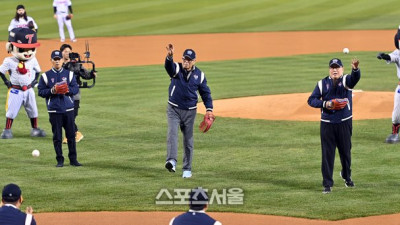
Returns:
<point x="8" y="83"/>
<point x="384" y="56"/>
<point x="60" y="88"/>
<point x="207" y="122"/>
<point x="337" y="103"/>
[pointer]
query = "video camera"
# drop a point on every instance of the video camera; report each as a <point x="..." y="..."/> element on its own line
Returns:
<point x="76" y="58"/>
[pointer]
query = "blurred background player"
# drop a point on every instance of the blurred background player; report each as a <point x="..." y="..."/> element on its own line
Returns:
<point x="24" y="70"/>
<point x="79" y="72"/>
<point x="22" y="20"/>
<point x="61" y="8"/>
<point x="10" y="212"/>
<point x="394" y="57"/>
<point x="58" y="85"/>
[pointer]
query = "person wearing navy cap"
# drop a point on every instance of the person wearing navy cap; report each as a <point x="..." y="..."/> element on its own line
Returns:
<point x="198" y="204"/>
<point x="333" y="95"/>
<point x="10" y="212"/>
<point x="58" y="85"/>
<point x="186" y="80"/>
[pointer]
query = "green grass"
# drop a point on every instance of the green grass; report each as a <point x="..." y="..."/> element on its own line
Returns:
<point x="276" y="163"/>
<point x="143" y="17"/>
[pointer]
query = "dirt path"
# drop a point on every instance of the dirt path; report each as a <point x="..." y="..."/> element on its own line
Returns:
<point x="149" y="50"/>
<point x="294" y="107"/>
<point x="163" y="218"/>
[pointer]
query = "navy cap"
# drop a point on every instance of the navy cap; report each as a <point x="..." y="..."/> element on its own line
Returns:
<point x="335" y="61"/>
<point x="23" y="38"/>
<point x="11" y="193"/>
<point x="56" y="54"/>
<point x="20" y="7"/>
<point x="189" y="53"/>
<point x="198" y="199"/>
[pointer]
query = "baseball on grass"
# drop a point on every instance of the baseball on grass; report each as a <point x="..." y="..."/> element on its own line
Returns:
<point x="346" y="51"/>
<point x="35" y="153"/>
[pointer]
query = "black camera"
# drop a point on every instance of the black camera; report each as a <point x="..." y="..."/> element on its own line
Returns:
<point x="74" y="57"/>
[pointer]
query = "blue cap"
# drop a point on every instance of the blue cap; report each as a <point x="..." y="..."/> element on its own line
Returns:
<point x="23" y="38"/>
<point x="189" y="53"/>
<point x="11" y="193"/>
<point x="335" y="62"/>
<point x="56" y="54"/>
<point x="198" y="199"/>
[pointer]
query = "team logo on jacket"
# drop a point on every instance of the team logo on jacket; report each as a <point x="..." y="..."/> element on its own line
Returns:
<point x="327" y="86"/>
<point x="52" y="80"/>
<point x="340" y="84"/>
<point x="196" y="77"/>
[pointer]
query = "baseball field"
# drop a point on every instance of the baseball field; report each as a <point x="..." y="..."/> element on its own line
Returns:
<point x="263" y="55"/>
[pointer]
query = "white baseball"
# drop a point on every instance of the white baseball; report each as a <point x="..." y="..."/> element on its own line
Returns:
<point x="35" y="153"/>
<point x="346" y="51"/>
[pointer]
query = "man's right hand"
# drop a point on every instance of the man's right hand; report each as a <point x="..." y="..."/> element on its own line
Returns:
<point x="170" y="50"/>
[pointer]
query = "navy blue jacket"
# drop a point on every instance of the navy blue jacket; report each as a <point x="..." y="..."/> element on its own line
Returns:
<point x="325" y="91"/>
<point x="13" y="216"/>
<point x="193" y="218"/>
<point x="58" y="103"/>
<point x="184" y="86"/>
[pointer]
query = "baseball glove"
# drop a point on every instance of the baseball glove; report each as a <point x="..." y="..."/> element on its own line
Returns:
<point x="30" y="25"/>
<point x="337" y="103"/>
<point x="69" y="16"/>
<point x="61" y="88"/>
<point x="207" y="122"/>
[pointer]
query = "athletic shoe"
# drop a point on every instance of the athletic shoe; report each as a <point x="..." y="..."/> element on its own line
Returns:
<point x="347" y="183"/>
<point x="327" y="190"/>
<point x="392" y="139"/>
<point x="170" y="165"/>
<point x="37" y="132"/>
<point x="7" y="134"/>
<point x="65" y="141"/>
<point x="60" y="164"/>
<point x="78" y="136"/>
<point x="75" y="163"/>
<point x="187" y="174"/>
<point x="62" y="40"/>
<point x="74" y="40"/>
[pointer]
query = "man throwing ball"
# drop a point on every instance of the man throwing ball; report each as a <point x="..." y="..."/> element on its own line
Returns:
<point x="333" y="95"/>
<point x="186" y="80"/>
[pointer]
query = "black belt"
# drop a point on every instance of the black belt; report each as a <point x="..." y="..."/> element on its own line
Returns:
<point x="23" y="88"/>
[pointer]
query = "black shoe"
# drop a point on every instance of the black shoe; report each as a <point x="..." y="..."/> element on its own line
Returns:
<point x="347" y="183"/>
<point x="327" y="190"/>
<point x="76" y="163"/>
<point x="60" y="164"/>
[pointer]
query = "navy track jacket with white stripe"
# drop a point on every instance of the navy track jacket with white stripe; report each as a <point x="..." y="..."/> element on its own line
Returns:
<point x="58" y="103"/>
<point x="325" y="91"/>
<point x="184" y="86"/>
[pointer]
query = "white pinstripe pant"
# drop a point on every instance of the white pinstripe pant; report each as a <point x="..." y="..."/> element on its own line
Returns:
<point x="17" y="98"/>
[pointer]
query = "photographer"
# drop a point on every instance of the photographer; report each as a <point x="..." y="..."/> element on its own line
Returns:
<point x="72" y="63"/>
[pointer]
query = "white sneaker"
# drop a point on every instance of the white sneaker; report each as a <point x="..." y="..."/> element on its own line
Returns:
<point x="187" y="174"/>
<point x="170" y="165"/>
<point x="74" y="40"/>
<point x="62" y="40"/>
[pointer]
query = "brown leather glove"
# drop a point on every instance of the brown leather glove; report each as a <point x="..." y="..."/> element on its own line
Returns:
<point x="207" y="122"/>
<point x="337" y="103"/>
